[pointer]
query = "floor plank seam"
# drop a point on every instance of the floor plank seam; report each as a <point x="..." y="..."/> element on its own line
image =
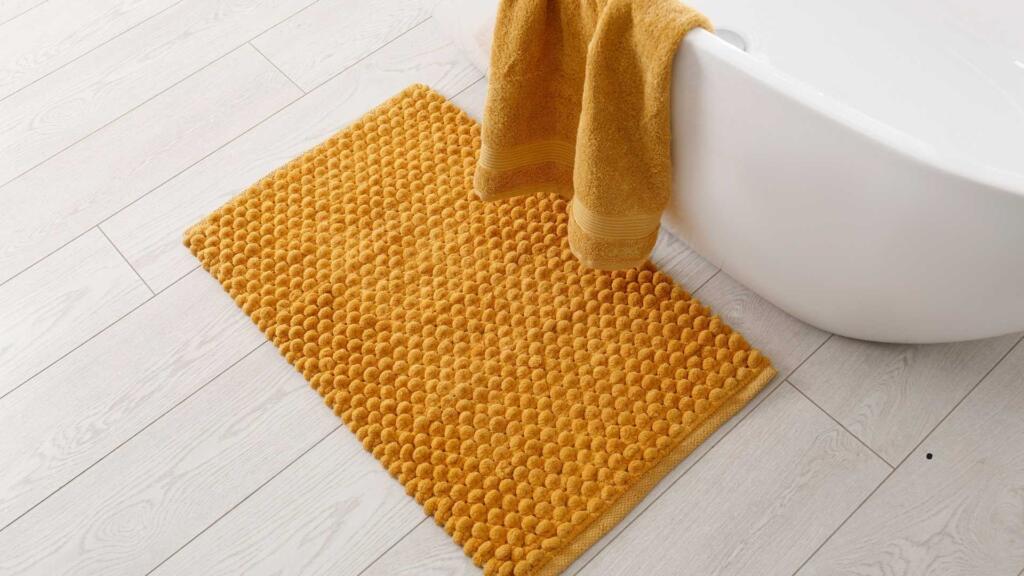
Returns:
<point x="91" y="50"/>
<point x="471" y="84"/>
<point x="23" y="12"/>
<point x="276" y="67"/>
<point x="130" y="438"/>
<point x="909" y="454"/>
<point x="99" y="227"/>
<point x="120" y="116"/>
<point x="393" y="544"/>
<point x="98" y="332"/>
<point x="705" y="283"/>
<point x="845" y="520"/>
<point x="148" y="192"/>
<point x="212" y="152"/>
<point x="290" y="16"/>
<point x="755" y="404"/>
<point x="809" y="356"/>
<point x="47" y="255"/>
<point x="368" y="54"/>
<point x="256" y="125"/>
<point x="157" y="187"/>
<point x="247" y="496"/>
<point x="140" y="104"/>
<point x="126" y="261"/>
<point x="841" y="425"/>
<point x="193" y="164"/>
<point x="65" y="355"/>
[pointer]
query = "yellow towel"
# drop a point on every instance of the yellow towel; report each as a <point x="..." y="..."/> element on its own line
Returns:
<point x="578" y="101"/>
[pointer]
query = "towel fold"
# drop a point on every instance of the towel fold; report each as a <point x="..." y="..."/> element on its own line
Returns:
<point x="578" y="104"/>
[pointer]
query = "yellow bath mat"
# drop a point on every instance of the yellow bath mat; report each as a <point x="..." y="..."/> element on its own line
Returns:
<point x="526" y="402"/>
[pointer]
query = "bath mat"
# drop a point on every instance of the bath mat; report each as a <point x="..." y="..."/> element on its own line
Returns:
<point x="527" y="403"/>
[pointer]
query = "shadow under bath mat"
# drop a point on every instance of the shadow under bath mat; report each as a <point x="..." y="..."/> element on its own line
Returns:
<point x="526" y="402"/>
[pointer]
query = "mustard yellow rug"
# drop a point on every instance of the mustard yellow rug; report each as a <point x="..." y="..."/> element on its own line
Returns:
<point x="526" y="402"/>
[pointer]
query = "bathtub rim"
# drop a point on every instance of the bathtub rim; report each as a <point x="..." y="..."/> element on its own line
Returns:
<point x="759" y="68"/>
<point x="850" y="117"/>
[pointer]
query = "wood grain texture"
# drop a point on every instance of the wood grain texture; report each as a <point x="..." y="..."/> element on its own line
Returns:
<point x="62" y="302"/>
<point x="890" y="396"/>
<point x="960" y="512"/>
<point x="46" y="117"/>
<point x="782" y="480"/>
<point x="175" y="478"/>
<point x="149" y="231"/>
<point x="471" y="100"/>
<point x="426" y="551"/>
<point x="170" y="430"/>
<point x="92" y="400"/>
<point x="59" y="31"/>
<point x="331" y="512"/>
<point x="331" y="35"/>
<point x="11" y="9"/>
<point x="101" y="174"/>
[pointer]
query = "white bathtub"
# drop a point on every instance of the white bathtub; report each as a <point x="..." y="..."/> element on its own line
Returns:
<point x="860" y="165"/>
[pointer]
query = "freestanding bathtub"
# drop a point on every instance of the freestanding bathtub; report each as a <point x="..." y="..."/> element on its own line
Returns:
<point x="858" y="164"/>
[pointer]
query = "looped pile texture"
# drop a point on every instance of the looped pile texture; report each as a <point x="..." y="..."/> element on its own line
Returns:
<point x="526" y="402"/>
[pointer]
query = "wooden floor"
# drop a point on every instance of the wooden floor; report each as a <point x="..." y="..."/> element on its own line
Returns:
<point x="147" y="427"/>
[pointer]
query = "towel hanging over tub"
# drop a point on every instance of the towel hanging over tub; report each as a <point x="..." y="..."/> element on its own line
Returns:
<point x="578" y="104"/>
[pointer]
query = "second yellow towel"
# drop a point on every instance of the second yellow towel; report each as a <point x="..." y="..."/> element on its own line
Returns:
<point x="578" y="104"/>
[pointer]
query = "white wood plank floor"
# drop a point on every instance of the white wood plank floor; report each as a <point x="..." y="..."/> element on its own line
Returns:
<point x="147" y="427"/>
